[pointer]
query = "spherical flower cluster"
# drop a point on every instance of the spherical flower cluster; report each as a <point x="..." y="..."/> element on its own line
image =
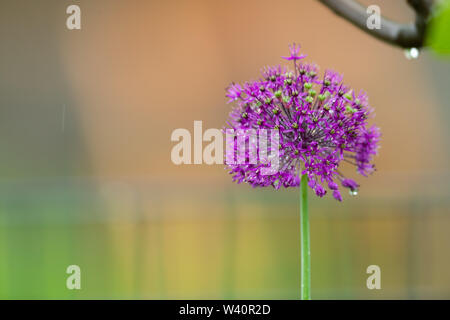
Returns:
<point x="321" y="121"/>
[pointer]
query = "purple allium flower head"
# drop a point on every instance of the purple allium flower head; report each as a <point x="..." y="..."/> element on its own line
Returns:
<point x="322" y="124"/>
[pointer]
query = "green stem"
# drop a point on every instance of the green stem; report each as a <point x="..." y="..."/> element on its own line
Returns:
<point x="304" y="241"/>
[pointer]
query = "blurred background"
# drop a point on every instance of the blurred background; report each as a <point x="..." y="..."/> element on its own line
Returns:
<point x="86" y="176"/>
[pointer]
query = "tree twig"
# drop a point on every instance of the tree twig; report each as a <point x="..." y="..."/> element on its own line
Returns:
<point x="398" y="34"/>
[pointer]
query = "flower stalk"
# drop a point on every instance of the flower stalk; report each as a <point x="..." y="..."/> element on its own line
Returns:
<point x="305" y="241"/>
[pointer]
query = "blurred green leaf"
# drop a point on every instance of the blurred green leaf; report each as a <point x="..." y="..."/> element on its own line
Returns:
<point x="438" y="36"/>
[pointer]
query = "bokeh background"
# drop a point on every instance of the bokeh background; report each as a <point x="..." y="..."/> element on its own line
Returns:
<point x="86" y="177"/>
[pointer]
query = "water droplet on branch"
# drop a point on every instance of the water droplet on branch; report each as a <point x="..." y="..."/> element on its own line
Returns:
<point x="353" y="192"/>
<point x="412" y="53"/>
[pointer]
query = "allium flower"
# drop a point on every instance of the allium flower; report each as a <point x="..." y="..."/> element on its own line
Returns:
<point x="321" y="121"/>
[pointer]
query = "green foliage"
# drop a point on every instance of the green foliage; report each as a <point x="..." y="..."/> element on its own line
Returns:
<point x="438" y="37"/>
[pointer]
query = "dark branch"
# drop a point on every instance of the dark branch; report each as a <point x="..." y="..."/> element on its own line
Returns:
<point x="398" y="34"/>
